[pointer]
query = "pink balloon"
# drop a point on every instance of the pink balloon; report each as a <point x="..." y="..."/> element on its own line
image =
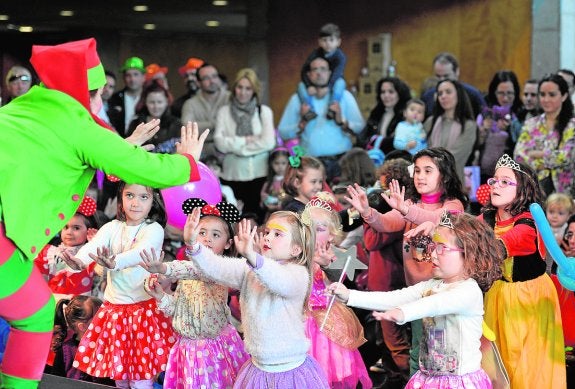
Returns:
<point x="207" y="188"/>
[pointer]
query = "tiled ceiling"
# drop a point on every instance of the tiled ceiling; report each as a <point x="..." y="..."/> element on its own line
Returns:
<point x="168" y="16"/>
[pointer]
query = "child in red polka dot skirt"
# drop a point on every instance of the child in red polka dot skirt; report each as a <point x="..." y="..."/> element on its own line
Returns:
<point x="208" y="351"/>
<point x="129" y="339"/>
<point x="64" y="282"/>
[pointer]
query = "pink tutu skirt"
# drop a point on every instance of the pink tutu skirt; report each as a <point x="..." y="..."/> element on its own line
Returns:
<point x="126" y="342"/>
<point x="198" y="363"/>
<point x="476" y="380"/>
<point x="343" y="366"/>
<point x="308" y="375"/>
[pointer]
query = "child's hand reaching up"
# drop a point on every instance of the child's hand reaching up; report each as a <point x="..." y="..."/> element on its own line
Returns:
<point x="153" y="288"/>
<point x="152" y="263"/>
<point x="244" y="241"/>
<point x="191" y="230"/>
<point x="339" y="290"/>
<point x="358" y="199"/>
<point x="395" y="315"/>
<point x="396" y="197"/>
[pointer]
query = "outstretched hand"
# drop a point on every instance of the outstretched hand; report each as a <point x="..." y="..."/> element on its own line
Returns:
<point x="339" y="290"/>
<point x="104" y="257"/>
<point x="73" y="262"/>
<point x="358" y="199"/>
<point x="245" y="240"/>
<point x="152" y="263"/>
<point x="191" y="142"/>
<point x="143" y="133"/>
<point x="395" y="315"/>
<point x="425" y="228"/>
<point x="396" y="197"/>
<point x="191" y="228"/>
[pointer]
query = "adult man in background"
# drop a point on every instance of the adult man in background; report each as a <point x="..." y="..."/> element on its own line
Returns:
<point x="122" y="105"/>
<point x="189" y="73"/>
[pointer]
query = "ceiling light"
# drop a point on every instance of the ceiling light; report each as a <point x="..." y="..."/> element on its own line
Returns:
<point x="26" y="29"/>
<point x="220" y="3"/>
<point x="212" y="23"/>
<point x="149" y="26"/>
<point x="66" y="12"/>
<point x="140" y="8"/>
<point x="4" y="17"/>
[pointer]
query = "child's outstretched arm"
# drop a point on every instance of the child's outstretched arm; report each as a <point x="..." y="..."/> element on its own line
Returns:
<point x="339" y="290"/>
<point x="389" y="222"/>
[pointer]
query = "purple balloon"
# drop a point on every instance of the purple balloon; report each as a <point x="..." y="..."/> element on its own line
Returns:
<point x="207" y="188"/>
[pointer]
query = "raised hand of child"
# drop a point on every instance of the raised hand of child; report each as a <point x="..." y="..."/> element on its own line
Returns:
<point x="258" y="242"/>
<point x="91" y="233"/>
<point x="153" y="288"/>
<point x="152" y="263"/>
<point x="73" y="262"/>
<point x="191" y="141"/>
<point x="396" y="197"/>
<point x="104" y="257"/>
<point x="395" y="315"/>
<point x="324" y="254"/>
<point x="358" y="199"/>
<point x="191" y="230"/>
<point x="425" y="228"/>
<point x="244" y="241"/>
<point x="339" y="290"/>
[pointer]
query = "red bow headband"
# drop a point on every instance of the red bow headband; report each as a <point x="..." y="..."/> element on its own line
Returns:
<point x="87" y="206"/>
<point x="223" y="209"/>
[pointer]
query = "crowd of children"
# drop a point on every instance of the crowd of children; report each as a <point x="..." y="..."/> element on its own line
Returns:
<point x="251" y="301"/>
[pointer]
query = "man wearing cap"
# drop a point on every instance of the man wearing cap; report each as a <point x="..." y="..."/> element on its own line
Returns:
<point x="18" y="81"/>
<point x="122" y="104"/>
<point x="189" y="73"/>
<point x="52" y="142"/>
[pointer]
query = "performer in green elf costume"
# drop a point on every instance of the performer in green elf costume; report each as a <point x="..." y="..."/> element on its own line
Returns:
<point x="50" y="145"/>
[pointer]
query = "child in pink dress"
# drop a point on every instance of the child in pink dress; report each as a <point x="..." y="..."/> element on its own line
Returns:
<point x="208" y="351"/>
<point x="335" y="347"/>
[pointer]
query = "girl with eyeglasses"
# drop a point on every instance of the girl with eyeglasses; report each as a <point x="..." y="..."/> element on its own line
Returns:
<point x="521" y="308"/>
<point x="465" y="260"/>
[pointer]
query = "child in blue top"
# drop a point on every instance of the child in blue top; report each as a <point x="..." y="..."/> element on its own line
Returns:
<point x="329" y="42"/>
<point x="409" y="134"/>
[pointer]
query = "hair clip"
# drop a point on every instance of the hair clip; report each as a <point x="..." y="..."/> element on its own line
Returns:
<point x="507" y="161"/>
<point x="87" y="206"/>
<point x="223" y="209"/>
<point x="295" y="159"/>
<point x="445" y="220"/>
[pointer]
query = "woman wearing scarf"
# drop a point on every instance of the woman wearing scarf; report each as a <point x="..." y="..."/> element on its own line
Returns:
<point x="452" y="124"/>
<point x="245" y="134"/>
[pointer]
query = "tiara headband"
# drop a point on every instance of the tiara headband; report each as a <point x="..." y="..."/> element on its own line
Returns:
<point x="445" y="220"/>
<point x="223" y="209"/>
<point x="507" y="161"/>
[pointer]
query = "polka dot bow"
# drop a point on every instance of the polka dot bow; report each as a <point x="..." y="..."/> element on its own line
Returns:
<point x="223" y="209"/>
<point x="87" y="206"/>
<point x="483" y="193"/>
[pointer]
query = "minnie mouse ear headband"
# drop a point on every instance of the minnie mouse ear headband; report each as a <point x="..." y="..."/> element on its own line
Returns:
<point x="223" y="209"/>
<point x="87" y="206"/>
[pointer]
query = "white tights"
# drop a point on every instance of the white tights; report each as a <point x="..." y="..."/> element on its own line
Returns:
<point x="135" y="384"/>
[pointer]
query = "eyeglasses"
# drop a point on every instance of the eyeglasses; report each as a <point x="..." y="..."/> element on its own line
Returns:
<point x="21" y="78"/>
<point x="319" y="70"/>
<point x="503" y="183"/>
<point x="440" y="248"/>
<point x="505" y="93"/>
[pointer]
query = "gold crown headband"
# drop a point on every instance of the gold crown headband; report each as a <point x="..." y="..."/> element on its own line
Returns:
<point x="445" y="220"/>
<point x="315" y="202"/>
<point x="507" y="161"/>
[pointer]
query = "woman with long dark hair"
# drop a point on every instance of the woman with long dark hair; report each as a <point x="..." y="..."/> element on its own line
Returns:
<point x="547" y="142"/>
